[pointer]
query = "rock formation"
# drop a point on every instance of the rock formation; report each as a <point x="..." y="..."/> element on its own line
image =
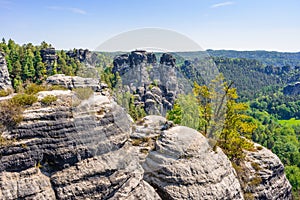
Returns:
<point x="72" y="151"/>
<point x="91" y="150"/>
<point x="265" y="175"/>
<point x="5" y="82"/>
<point x="49" y="57"/>
<point x="71" y="82"/>
<point x="155" y="85"/>
<point x="80" y="54"/>
<point x="184" y="166"/>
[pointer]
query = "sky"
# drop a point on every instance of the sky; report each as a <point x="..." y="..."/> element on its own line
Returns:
<point x="272" y="25"/>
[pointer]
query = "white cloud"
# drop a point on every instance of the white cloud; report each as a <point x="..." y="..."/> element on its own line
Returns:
<point x="77" y="11"/>
<point x="227" y="3"/>
<point x="73" y="10"/>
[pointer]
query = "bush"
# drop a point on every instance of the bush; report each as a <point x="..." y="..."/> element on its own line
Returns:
<point x="57" y="87"/>
<point x="4" y="93"/>
<point x="24" y="99"/>
<point x="11" y="114"/>
<point x="33" y="88"/>
<point x="47" y="100"/>
<point x="83" y="93"/>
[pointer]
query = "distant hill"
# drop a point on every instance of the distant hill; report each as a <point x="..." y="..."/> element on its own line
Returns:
<point x="266" y="57"/>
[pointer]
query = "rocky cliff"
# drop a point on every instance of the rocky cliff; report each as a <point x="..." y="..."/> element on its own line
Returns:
<point x="155" y="85"/>
<point x="5" y="82"/>
<point x="90" y="151"/>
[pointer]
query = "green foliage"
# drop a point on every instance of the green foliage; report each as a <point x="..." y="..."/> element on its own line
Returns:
<point x="5" y="92"/>
<point x="208" y="107"/>
<point x="33" y="88"/>
<point x="290" y="122"/>
<point x="185" y="112"/>
<point x="293" y="174"/>
<point x="281" y="106"/>
<point x="24" y="99"/>
<point x="48" y="100"/>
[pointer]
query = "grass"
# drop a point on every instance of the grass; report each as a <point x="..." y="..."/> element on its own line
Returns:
<point x="290" y="122"/>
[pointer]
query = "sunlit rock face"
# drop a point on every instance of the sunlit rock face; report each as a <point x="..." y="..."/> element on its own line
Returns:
<point x="72" y="150"/>
<point x="265" y="167"/>
<point x="5" y="82"/>
<point x="184" y="166"/>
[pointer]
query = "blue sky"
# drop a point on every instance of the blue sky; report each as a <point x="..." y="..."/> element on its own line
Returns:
<point x="213" y="24"/>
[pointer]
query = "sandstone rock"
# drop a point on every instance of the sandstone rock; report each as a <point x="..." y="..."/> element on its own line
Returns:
<point x="5" y="82"/>
<point x="71" y="82"/>
<point x="167" y="59"/>
<point x="115" y="175"/>
<point x="49" y="57"/>
<point x="79" y="54"/>
<point x="63" y="135"/>
<point x="265" y="176"/>
<point x="28" y="184"/>
<point x="183" y="166"/>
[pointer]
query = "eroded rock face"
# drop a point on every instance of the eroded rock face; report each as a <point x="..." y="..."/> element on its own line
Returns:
<point x="49" y="57"/>
<point x="156" y="84"/>
<point x="184" y="166"/>
<point x="265" y="176"/>
<point x="81" y="150"/>
<point x="5" y="82"/>
<point x="71" y="82"/>
<point x="168" y="59"/>
<point x="28" y="184"/>
<point x="115" y="175"/>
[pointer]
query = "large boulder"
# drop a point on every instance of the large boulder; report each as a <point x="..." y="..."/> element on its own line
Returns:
<point x="5" y="82"/>
<point x="184" y="166"/>
<point x="265" y="178"/>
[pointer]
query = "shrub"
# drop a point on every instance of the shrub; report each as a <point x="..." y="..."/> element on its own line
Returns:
<point x="5" y="92"/>
<point x="11" y="114"/>
<point x="83" y="93"/>
<point x="24" y="99"/>
<point x="33" y="88"/>
<point x="47" y="100"/>
<point x="56" y="87"/>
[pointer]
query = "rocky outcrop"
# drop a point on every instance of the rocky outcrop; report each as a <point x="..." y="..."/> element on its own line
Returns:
<point x="81" y="150"/>
<point x="28" y="184"/>
<point x="80" y="54"/>
<point x="292" y="89"/>
<point x="184" y="166"/>
<point x="168" y="59"/>
<point x="122" y="63"/>
<point x="91" y="150"/>
<point x="115" y="175"/>
<point x="5" y="82"/>
<point x="264" y="176"/>
<point x="71" y="82"/>
<point x="143" y="76"/>
<point x="49" y="57"/>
